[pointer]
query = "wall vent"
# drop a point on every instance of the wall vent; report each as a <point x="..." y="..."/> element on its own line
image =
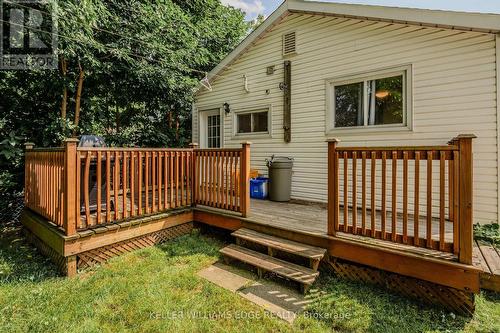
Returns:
<point x="289" y="43"/>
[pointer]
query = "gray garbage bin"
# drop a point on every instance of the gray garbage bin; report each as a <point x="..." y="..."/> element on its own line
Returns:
<point x="280" y="178"/>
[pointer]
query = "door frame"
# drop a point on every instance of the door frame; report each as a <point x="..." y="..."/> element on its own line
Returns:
<point x="202" y="124"/>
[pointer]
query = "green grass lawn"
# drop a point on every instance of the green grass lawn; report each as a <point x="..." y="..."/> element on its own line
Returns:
<point x="157" y="290"/>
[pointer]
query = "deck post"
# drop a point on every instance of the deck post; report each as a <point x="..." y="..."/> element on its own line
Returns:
<point x="70" y="179"/>
<point x="333" y="186"/>
<point x="245" y="179"/>
<point x="27" y="177"/>
<point x="465" y="198"/>
<point x="194" y="176"/>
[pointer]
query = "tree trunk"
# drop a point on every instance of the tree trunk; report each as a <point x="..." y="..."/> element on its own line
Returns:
<point x="64" y="102"/>
<point x="78" y="98"/>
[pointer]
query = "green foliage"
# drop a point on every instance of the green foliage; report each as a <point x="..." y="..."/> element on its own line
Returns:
<point x="488" y="232"/>
<point x="141" y="62"/>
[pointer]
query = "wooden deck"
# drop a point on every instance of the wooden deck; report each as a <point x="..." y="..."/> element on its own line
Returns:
<point x="312" y="219"/>
<point x="487" y="258"/>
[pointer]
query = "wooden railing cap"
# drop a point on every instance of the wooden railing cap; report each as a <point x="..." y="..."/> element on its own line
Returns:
<point x="332" y="140"/>
<point x="246" y="143"/>
<point x="29" y="145"/>
<point x="466" y="136"/>
<point x="71" y="140"/>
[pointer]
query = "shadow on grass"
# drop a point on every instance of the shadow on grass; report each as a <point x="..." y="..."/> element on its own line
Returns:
<point x="349" y="306"/>
<point x="19" y="260"/>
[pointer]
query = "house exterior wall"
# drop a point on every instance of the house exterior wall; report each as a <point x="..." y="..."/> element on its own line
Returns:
<point x="454" y="90"/>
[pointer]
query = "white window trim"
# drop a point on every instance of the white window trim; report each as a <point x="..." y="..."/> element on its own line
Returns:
<point x="407" y="124"/>
<point x="202" y="122"/>
<point x="253" y="109"/>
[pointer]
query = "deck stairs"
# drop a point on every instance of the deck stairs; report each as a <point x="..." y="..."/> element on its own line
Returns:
<point x="282" y="257"/>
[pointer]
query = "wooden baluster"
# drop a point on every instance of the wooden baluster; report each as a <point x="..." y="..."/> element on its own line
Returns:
<point x="372" y="197"/>
<point x="139" y="182"/>
<point x="51" y="186"/>
<point x="86" y="189"/>
<point x="221" y="179"/>
<point x="405" y="197"/>
<point x="363" y="194"/>
<point x="442" y="163"/>
<point x="124" y="185"/>
<point x="456" y="207"/>
<point x="213" y="166"/>
<point x="451" y="191"/>
<point x="171" y="178"/>
<point x="346" y="194"/>
<point x="226" y="178"/>
<point x="200" y="188"/>
<point x="237" y="196"/>
<point x="165" y="181"/>
<point x="216" y="179"/>
<point x="153" y="181"/>
<point x="394" y="195"/>
<point x="116" y="184"/>
<point x="183" y="162"/>
<point x="176" y="170"/>
<point x="146" y="182"/>
<point x="188" y="178"/>
<point x="207" y="177"/>
<point x="108" y="187"/>
<point x="416" y="209"/>
<point x="383" y="208"/>
<point x="429" y="199"/>
<point x="231" y="180"/>
<point x="132" y="183"/>
<point x="50" y="183"/>
<point x="160" y="178"/>
<point x="99" y="188"/>
<point x="354" y="194"/>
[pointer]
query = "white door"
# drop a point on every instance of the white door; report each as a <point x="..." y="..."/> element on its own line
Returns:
<point x="210" y="129"/>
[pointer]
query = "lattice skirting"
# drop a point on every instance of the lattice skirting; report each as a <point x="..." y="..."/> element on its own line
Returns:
<point x="455" y="300"/>
<point x="46" y="250"/>
<point x="102" y="254"/>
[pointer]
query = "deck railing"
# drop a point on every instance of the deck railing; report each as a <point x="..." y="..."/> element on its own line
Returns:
<point x="420" y="196"/>
<point x="44" y="179"/>
<point x="222" y="178"/>
<point x="79" y="188"/>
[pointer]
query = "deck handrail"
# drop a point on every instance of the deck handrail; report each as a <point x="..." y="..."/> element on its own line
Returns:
<point x="84" y="187"/>
<point x="452" y="173"/>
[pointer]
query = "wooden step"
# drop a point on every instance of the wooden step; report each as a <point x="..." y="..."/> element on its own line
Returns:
<point x="303" y="275"/>
<point x="285" y="245"/>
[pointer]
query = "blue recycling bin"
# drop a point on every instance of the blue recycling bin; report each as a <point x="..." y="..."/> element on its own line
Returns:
<point x="258" y="187"/>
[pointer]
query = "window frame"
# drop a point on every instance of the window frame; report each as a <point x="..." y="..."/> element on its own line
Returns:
<point x="406" y="125"/>
<point x="250" y="110"/>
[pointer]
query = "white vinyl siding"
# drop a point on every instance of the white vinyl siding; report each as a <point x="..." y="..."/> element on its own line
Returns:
<point x="453" y="91"/>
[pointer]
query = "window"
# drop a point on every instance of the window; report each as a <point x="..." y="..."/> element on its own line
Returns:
<point x="213" y="131"/>
<point x="255" y="121"/>
<point x="379" y="99"/>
